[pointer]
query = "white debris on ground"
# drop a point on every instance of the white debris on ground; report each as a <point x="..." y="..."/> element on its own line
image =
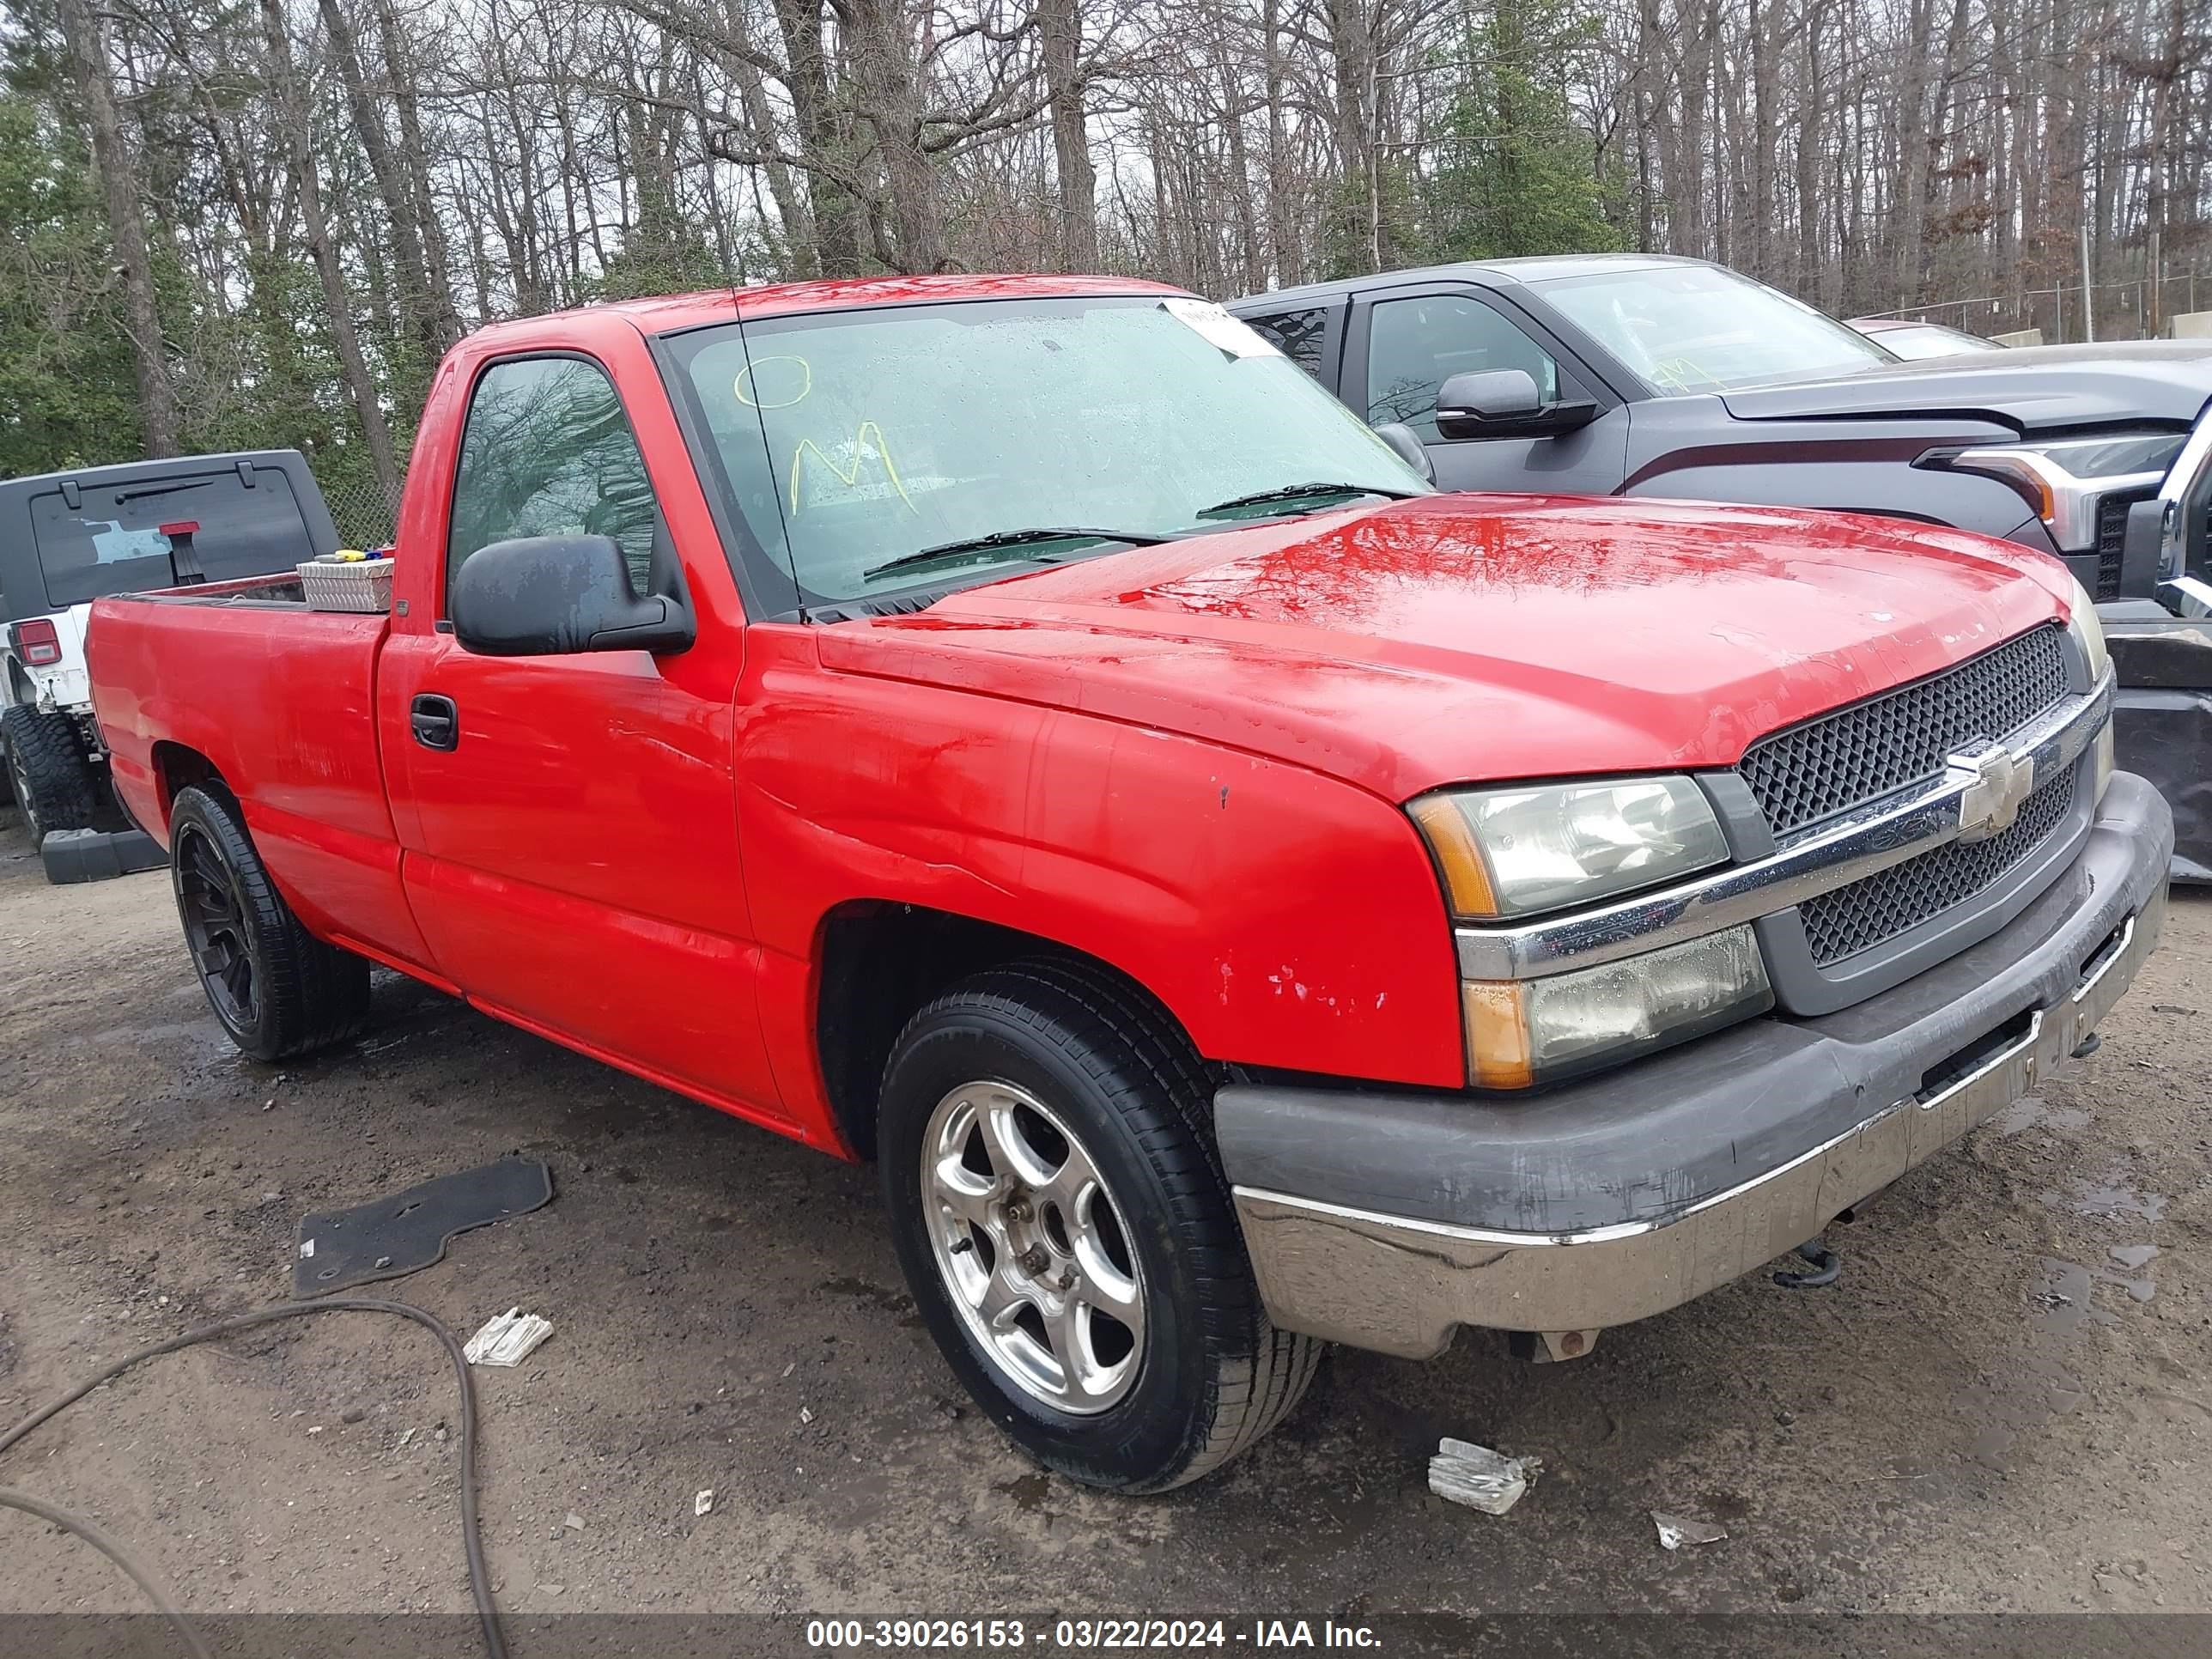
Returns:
<point x="1676" y="1530"/>
<point x="507" y="1339"/>
<point x="704" y="1502"/>
<point x="1464" y="1473"/>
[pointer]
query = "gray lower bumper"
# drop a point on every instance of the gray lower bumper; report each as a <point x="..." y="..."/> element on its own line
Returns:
<point x="1386" y="1220"/>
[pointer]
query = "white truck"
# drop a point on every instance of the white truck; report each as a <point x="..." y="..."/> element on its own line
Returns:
<point x="67" y="538"/>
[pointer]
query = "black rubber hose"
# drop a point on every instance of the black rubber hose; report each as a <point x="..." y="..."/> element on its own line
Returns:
<point x="472" y="1531"/>
<point x="116" y="1551"/>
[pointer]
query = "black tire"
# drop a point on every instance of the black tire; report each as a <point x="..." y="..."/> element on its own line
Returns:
<point x="49" y="772"/>
<point x="1212" y="1374"/>
<point x="278" y="990"/>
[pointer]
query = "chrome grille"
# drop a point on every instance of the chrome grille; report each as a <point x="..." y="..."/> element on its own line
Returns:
<point x="1865" y="914"/>
<point x="1829" y="765"/>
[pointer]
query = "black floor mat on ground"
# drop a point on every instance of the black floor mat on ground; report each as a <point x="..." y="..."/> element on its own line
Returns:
<point x="406" y="1232"/>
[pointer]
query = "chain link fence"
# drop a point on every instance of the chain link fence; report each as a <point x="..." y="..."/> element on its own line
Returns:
<point x="365" y="515"/>
<point x="2135" y="308"/>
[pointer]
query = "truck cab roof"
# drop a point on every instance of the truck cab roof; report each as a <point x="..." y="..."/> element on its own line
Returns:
<point x="1488" y="273"/>
<point x="673" y="313"/>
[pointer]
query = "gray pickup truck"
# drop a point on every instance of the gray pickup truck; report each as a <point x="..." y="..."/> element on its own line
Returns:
<point x="1639" y="374"/>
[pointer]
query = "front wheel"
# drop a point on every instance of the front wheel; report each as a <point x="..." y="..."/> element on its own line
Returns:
<point x="278" y="990"/>
<point x="1062" y="1221"/>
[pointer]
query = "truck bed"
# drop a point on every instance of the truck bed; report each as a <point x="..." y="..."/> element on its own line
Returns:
<point x="191" y="682"/>
<point x="280" y="589"/>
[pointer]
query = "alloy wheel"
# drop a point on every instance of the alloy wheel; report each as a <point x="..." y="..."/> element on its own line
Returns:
<point x="214" y="928"/>
<point x="1032" y="1248"/>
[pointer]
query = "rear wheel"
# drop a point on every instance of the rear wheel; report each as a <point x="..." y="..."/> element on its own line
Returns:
<point x="49" y="771"/>
<point x="278" y="990"/>
<point x="1063" y="1223"/>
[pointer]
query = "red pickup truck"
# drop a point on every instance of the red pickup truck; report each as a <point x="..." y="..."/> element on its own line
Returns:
<point x="1022" y="731"/>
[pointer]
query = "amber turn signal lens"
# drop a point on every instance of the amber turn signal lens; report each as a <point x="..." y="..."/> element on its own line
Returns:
<point x="1497" y="1015"/>
<point x="1451" y="838"/>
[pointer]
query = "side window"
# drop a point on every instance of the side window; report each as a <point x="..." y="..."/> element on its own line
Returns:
<point x="547" y="452"/>
<point x="1413" y="346"/>
<point x="1297" y="334"/>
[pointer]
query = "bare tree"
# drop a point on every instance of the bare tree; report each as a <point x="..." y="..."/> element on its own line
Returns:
<point x="118" y="173"/>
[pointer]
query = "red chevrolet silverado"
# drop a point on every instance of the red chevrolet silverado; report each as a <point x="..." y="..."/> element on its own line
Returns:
<point x="1022" y="731"/>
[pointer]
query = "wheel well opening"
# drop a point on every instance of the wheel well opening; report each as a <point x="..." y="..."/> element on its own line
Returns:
<point x="880" y="962"/>
<point x="176" y="768"/>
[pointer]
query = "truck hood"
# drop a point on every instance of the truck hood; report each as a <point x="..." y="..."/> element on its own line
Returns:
<point x="2029" y="388"/>
<point x="1469" y="638"/>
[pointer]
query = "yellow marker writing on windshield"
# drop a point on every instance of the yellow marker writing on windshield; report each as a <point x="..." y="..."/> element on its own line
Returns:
<point x="869" y="437"/>
<point x="751" y="373"/>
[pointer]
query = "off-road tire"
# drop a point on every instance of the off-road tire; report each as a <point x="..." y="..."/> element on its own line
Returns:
<point x="307" y="994"/>
<point x="1215" y="1375"/>
<point x="48" y="771"/>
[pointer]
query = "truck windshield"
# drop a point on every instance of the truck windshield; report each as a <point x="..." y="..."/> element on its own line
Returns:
<point x="1692" y="329"/>
<point x="852" y="440"/>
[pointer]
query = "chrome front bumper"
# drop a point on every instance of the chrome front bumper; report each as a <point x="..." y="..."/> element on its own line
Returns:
<point x="2005" y="1016"/>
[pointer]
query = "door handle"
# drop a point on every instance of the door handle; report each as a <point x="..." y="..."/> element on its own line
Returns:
<point x="434" y="720"/>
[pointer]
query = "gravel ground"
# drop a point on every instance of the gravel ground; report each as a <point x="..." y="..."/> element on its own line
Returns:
<point x="2006" y="1405"/>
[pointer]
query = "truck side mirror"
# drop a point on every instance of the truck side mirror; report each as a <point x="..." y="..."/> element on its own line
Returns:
<point x="544" y="596"/>
<point x="1503" y="403"/>
<point x="1405" y="444"/>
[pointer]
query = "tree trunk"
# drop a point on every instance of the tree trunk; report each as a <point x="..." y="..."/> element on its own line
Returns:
<point x="1352" y="45"/>
<point x="118" y="176"/>
<point x="399" y="83"/>
<point x="1059" y="33"/>
<point x="791" y="209"/>
<point x="883" y="70"/>
<point x="1814" y="95"/>
<point x="1284" y="247"/>
<point x="1765" y="24"/>
<point x="293" y="113"/>
<point x="831" y="186"/>
<point x="1687" y="220"/>
<point x="420" y="314"/>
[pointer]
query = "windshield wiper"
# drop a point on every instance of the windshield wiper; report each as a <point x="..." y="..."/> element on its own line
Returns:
<point x="997" y="538"/>
<point x="1296" y="492"/>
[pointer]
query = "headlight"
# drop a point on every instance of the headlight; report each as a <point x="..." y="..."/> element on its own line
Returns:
<point x="1514" y="851"/>
<point x="2089" y="632"/>
<point x="2066" y="479"/>
<point x="1520" y="1032"/>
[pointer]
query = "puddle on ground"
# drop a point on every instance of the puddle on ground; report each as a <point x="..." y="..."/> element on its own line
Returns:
<point x="2065" y="1300"/>
<point x="1029" y="1492"/>
<point x="2030" y="1112"/>
<point x="2108" y="1197"/>
<point x="2032" y="1388"/>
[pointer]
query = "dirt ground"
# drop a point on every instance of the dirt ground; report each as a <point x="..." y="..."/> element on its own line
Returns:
<point x="2006" y="1404"/>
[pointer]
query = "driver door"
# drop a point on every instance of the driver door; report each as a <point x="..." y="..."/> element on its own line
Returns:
<point x="1403" y="345"/>
<point x="569" y="822"/>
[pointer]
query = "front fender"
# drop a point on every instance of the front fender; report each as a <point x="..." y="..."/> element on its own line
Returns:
<point x="1286" y="919"/>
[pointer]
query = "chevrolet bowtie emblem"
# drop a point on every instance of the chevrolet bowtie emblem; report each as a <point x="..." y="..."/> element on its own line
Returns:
<point x="1998" y="782"/>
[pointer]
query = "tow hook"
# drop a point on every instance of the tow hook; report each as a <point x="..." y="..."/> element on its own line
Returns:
<point x="2090" y="1044"/>
<point x="1548" y="1347"/>
<point x="1827" y="1268"/>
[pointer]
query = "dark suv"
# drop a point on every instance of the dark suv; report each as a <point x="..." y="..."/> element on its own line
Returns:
<point x="1638" y="375"/>
<point x="67" y="538"/>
